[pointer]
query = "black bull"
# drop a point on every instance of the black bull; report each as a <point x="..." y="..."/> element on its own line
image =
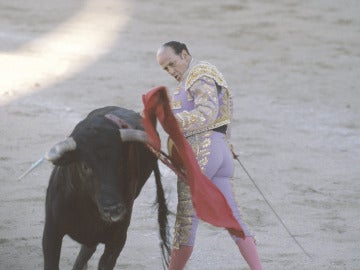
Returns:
<point x="92" y="188"/>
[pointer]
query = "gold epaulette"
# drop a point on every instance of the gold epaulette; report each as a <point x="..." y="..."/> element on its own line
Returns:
<point x="204" y="69"/>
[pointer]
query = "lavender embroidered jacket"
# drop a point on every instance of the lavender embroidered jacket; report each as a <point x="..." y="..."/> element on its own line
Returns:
<point x="197" y="104"/>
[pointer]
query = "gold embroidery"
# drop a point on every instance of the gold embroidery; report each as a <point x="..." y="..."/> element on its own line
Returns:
<point x="204" y="68"/>
<point x="200" y="145"/>
<point x="184" y="215"/>
<point x="176" y="104"/>
<point x="207" y="95"/>
<point x="187" y="119"/>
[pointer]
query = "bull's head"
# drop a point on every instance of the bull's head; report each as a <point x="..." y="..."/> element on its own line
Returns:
<point x="98" y="169"/>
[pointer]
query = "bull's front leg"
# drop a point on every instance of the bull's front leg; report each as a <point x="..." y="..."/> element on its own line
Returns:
<point x="51" y="244"/>
<point x="111" y="253"/>
<point x="83" y="257"/>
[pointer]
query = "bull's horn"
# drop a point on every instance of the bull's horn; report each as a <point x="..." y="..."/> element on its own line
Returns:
<point x="133" y="135"/>
<point x="60" y="148"/>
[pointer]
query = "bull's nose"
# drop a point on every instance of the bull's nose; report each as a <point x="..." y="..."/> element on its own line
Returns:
<point x="115" y="213"/>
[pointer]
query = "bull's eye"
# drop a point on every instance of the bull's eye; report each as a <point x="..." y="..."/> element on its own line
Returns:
<point x="85" y="169"/>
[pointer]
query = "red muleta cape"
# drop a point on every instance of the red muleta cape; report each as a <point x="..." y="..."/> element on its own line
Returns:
<point x="209" y="203"/>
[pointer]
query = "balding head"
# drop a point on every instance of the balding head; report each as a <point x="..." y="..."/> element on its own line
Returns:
<point x="174" y="58"/>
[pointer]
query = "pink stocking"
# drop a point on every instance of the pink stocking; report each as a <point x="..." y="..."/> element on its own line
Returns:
<point x="179" y="257"/>
<point x="249" y="252"/>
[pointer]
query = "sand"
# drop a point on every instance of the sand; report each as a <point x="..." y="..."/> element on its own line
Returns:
<point x="293" y="69"/>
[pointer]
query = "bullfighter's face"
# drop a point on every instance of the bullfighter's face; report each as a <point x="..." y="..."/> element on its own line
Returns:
<point x="174" y="64"/>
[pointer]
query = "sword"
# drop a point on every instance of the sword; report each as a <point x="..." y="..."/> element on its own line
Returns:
<point x="269" y="204"/>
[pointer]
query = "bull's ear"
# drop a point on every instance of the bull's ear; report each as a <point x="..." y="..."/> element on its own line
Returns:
<point x="62" y="153"/>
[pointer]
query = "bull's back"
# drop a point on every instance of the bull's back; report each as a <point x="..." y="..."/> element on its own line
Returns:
<point x="131" y="117"/>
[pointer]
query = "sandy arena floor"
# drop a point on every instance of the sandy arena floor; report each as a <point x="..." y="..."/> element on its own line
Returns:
<point x="293" y="68"/>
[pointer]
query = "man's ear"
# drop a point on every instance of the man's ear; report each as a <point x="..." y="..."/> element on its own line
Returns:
<point x="183" y="54"/>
